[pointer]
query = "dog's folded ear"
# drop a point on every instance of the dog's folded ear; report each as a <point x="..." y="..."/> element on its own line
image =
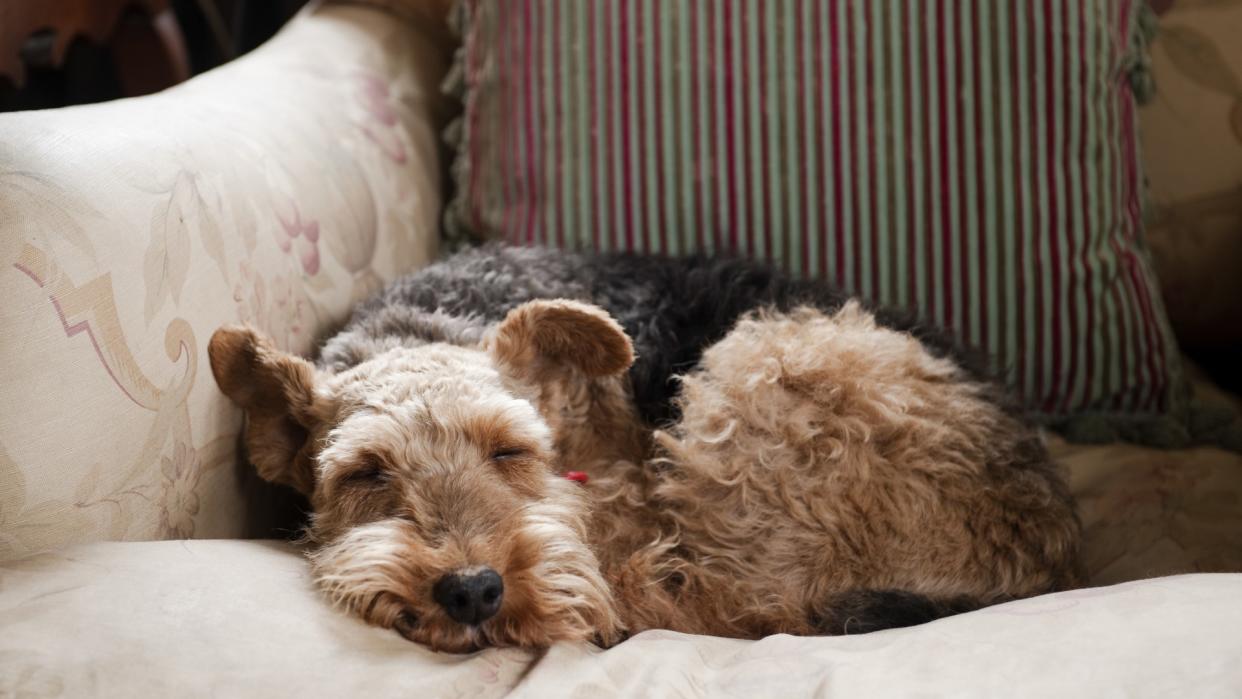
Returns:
<point x="277" y="391"/>
<point x="561" y="333"/>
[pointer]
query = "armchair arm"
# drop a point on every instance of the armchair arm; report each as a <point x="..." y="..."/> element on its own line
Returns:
<point x="276" y="190"/>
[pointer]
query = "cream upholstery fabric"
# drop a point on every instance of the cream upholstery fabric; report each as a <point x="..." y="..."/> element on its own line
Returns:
<point x="277" y="190"/>
<point x="238" y="619"/>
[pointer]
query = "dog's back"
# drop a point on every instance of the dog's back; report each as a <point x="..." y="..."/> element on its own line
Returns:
<point x="672" y="308"/>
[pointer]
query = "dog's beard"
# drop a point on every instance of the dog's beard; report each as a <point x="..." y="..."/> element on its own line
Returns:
<point x="367" y="571"/>
<point x="559" y="576"/>
<point x="554" y="590"/>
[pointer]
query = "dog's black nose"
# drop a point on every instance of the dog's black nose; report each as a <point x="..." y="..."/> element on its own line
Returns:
<point x="470" y="598"/>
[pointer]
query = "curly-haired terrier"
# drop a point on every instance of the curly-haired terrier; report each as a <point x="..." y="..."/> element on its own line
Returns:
<point x="747" y="453"/>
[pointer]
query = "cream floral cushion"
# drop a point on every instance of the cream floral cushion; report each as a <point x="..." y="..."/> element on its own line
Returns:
<point x="275" y="191"/>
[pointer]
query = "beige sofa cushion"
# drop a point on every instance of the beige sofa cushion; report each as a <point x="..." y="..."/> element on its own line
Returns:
<point x="275" y="191"/>
<point x="239" y="619"/>
<point x="1150" y="512"/>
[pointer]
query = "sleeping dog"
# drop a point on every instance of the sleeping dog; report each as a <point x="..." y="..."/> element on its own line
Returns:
<point x="518" y="446"/>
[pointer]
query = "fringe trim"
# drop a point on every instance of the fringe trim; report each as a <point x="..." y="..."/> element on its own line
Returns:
<point x="458" y="232"/>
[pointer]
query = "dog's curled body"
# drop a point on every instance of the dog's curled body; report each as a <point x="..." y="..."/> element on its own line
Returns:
<point x="766" y="456"/>
<point x="671" y="308"/>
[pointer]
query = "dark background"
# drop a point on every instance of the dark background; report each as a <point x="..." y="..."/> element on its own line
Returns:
<point x="214" y="31"/>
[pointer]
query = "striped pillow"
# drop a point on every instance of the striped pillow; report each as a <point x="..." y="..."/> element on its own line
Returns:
<point x="970" y="159"/>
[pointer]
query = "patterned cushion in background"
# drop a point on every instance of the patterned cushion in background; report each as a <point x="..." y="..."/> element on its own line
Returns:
<point x="974" y="160"/>
<point x="1192" y="146"/>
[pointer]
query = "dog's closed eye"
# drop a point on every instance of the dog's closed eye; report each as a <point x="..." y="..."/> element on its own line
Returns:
<point x="508" y="453"/>
<point x="370" y="472"/>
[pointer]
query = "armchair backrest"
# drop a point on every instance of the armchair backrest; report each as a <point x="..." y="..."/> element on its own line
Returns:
<point x="277" y="190"/>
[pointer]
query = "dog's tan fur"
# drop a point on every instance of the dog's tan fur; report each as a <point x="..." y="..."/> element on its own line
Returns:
<point x="815" y="455"/>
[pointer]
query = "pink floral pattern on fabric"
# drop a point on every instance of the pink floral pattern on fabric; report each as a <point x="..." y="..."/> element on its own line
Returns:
<point x="302" y="234"/>
<point x="379" y="116"/>
<point x="275" y="303"/>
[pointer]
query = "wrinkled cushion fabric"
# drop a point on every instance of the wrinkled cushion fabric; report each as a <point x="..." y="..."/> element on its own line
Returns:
<point x="239" y="619"/>
<point x="276" y="191"/>
<point x="974" y="161"/>
<point x="1149" y="512"/>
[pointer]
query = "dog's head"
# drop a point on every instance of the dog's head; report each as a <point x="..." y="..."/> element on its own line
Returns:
<point x="433" y="472"/>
